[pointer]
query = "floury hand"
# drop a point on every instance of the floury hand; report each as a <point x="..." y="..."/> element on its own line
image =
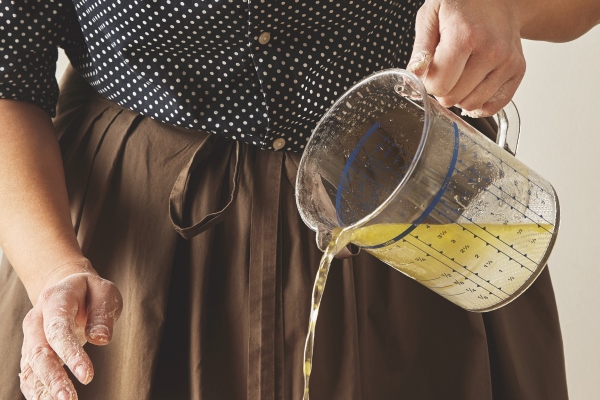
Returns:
<point x="80" y="307"/>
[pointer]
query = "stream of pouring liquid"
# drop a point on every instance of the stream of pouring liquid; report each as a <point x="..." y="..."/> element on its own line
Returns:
<point x="339" y="239"/>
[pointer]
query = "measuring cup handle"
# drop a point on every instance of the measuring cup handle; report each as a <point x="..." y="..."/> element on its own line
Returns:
<point x="509" y="128"/>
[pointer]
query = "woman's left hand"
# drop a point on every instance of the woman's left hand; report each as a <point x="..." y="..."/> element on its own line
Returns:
<point x="468" y="53"/>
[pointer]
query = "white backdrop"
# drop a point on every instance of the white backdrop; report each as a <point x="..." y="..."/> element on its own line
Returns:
<point x="560" y="113"/>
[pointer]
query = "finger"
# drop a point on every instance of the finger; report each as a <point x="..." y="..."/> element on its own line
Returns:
<point x="448" y="63"/>
<point x="427" y="37"/>
<point x="26" y="381"/>
<point x="40" y="392"/>
<point x="502" y="97"/>
<point x="494" y="87"/>
<point x="476" y="70"/>
<point x="104" y="308"/>
<point x="59" y="314"/>
<point x="494" y="103"/>
<point x="48" y="369"/>
<point x="43" y="361"/>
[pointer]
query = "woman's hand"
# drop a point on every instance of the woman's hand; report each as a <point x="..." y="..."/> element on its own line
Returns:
<point x="72" y="304"/>
<point x="468" y="53"/>
<point x="77" y="308"/>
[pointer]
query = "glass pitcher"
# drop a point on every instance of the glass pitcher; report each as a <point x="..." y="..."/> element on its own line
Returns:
<point x="428" y="194"/>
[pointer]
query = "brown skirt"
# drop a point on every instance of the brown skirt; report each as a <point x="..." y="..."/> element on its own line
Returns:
<point x="202" y="236"/>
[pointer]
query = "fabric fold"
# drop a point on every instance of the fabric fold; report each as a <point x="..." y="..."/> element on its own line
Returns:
<point x="179" y="191"/>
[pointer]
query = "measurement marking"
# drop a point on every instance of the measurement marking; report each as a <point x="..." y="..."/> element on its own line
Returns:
<point x="505" y="202"/>
<point x="488" y="243"/>
<point x="454" y="270"/>
<point x="449" y="295"/>
<point x="502" y="161"/>
<point x="489" y="233"/>
<point x="501" y="190"/>
<point x="462" y="266"/>
<point x="428" y="280"/>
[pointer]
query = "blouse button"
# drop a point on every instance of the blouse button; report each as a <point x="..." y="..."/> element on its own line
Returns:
<point x="278" y="143"/>
<point x="264" y="38"/>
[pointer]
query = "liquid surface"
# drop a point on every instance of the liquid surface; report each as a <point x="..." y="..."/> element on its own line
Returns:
<point x="473" y="265"/>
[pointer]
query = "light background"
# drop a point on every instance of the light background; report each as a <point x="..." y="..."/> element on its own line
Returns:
<point x="560" y="113"/>
<point x="560" y="139"/>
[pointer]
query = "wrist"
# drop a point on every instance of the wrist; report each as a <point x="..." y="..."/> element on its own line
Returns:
<point x="555" y="20"/>
<point x="54" y="275"/>
<point x="523" y="13"/>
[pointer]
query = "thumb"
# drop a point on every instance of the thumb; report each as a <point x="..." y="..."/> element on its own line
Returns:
<point x="104" y="306"/>
<point x="427" y="37"/>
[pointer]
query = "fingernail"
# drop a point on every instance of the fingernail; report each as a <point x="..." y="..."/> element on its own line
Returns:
<point x="81" y="372"/>
<point x="99" y="333"/>
<point x="63" y="395"/>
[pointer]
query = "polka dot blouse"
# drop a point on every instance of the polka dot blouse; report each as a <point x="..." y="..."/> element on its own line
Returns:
<point x="258" y="71"/>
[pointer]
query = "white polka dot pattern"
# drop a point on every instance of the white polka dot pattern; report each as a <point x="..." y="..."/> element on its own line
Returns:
<point x="252" y="70"/>
<point x="30" y="33"/>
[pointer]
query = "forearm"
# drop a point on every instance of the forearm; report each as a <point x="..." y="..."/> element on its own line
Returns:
<point x="36" y="232"/>
<point x="557" y="20"/>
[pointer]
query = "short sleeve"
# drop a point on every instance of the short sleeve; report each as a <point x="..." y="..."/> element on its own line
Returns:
<point x="30" y="33"/>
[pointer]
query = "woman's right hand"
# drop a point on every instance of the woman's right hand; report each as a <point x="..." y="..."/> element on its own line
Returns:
<point x="72" y="308"/>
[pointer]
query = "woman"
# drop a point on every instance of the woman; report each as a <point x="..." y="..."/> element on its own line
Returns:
<point x="179" y="133"/>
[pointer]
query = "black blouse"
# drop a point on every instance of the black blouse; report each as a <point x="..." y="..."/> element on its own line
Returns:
<point x="258" y="71"/>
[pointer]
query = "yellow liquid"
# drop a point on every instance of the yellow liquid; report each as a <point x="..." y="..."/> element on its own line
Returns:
<point x="504" y="255"/>
<point x="474" y="266"/>
<point x="339" y="240"/>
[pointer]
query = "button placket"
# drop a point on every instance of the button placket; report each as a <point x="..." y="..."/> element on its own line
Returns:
<point x="262" y="57"/>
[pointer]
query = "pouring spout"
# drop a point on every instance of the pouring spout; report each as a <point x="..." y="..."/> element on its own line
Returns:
<point x="323" y="240"/>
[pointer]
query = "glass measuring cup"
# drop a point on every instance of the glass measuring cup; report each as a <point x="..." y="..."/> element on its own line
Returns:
<point x="427" y="193"/>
